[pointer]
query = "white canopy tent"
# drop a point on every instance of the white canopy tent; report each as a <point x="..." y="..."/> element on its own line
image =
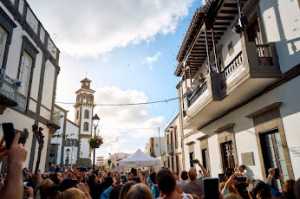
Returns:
<point x="139" y="159"/>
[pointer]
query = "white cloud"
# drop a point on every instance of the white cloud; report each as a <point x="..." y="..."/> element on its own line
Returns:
<point x="152" y="59"/>
<point x="125" y="128"/>
<point x="94" y="27"/>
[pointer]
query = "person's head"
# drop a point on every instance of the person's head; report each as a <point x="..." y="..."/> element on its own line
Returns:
<point x="72" y="193"/>
<point x="139" y="191"/>
<point x="153" y="178"/>
<point x="45" y="187"/>
<point x="242" y="168"/>
<point x="297" y="189"/>
<point x="56" y="177"/>
<point x="133" y="171"/>
<point x="166" y="181"/>
<point x="192" y="174"/>
<point x="289" y="186"/>
<point x="184" y="175"/>
<point x="261" y="190"/>
<point x="125" y="189"/>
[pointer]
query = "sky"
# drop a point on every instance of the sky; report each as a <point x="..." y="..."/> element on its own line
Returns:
<point x="128" y="49"/>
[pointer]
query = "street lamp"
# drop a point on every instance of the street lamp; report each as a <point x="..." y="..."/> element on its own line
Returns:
<point x="95" y="120"/>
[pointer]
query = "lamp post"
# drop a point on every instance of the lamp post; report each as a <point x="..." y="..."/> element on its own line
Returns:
<point x="95" y="120"/>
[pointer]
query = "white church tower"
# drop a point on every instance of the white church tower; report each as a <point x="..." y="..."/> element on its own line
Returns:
<point x="84" y="108"/>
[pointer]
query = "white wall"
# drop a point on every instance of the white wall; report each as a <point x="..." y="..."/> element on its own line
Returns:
<point x="281" y="20"/>
<point x="84" y="148"/>
<point x="48" y="86"/>
<point x="72" y="130"/>
<point x="245" y="133"/>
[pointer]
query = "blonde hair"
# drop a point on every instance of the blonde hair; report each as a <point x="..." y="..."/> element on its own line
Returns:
<point x="139" y="191"/>
<point x="72" y="193"/>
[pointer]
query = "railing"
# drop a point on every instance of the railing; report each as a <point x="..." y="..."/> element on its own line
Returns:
<point x="196" y="93"/>
<point x="8" y="89"/>
<point x="264" y="54"/>
<point x="233" y="65"/>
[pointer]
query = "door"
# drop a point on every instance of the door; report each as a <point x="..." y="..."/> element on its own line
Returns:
<point x="227" y="155"/>
<point x="273" y="152"/>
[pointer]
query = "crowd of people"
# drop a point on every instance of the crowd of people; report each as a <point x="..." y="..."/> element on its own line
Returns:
<point x="81" y="183"/>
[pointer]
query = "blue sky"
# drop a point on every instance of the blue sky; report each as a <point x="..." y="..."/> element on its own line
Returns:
<point x="128" y="49"/>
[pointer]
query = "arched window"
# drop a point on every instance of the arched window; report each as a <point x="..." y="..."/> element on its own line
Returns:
<point x="86" y="126"/>
<point x="86" y="114"/>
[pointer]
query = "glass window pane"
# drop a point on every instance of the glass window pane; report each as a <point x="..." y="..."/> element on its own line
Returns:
<point x="25" y="69"/>
<point x="3" y="39"/>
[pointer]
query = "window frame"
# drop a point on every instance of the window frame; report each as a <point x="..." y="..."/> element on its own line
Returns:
<point x="29" y="48"/>
<point x="86" y="124"/>
<point x="86" y="114"/>
<point x="8" y="25"/>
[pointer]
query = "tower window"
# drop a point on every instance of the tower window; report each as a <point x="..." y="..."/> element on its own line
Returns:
<point x="77" y="115"/>
<point x="86" y="114"/>
<point x="86" y="126"/>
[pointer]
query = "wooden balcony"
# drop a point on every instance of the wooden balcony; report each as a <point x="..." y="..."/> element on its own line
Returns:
<point x="255" y="63"/>
<point x="250" y="71"/>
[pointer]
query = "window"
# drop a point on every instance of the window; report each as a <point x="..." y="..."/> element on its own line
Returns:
<point x="27" y="62"/>
<point x="24" y="73"/>
<point x="86" y="114"/>
<point x="191" y="158"/>
<point x="3" y="41"/>
<point x="273" y="152"/>
<point x="77" y="115"/>
<point x="227" y="153"/>
<point x="86" y="126"/>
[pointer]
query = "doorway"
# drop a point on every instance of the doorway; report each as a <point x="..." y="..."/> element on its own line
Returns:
<point x="273" y="152"/>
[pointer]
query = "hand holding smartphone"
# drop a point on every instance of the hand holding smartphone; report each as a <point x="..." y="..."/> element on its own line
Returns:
<point x="9" y="134"/>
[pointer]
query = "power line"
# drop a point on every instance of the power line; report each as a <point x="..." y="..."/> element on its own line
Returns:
<point x="129" y="104"/>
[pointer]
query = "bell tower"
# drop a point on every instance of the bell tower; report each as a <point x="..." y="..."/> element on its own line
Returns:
<point x="84" y="108"/>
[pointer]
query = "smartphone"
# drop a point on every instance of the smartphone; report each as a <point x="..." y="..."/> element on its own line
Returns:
<point x="8" y="134"/>
<point x="211" y="188"/>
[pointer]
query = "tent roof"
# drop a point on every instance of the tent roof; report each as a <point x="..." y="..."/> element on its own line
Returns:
<point x="139" y="159"/>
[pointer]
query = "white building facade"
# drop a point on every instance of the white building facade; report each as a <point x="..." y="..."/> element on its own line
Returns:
<point x="156" y="146"/>
<point x="29" y="66"/>
<point x="65" y="141"/>
<point x="173" y="156"/>
<point x="238" y="93"/>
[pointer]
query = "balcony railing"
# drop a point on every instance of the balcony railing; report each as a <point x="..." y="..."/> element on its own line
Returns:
<point x="197" y="92"/>
<point x="8" y="90"/>
<point x="265" y="54"/>
<point x="9" y="94"/>
<point x="233" y="65"/>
